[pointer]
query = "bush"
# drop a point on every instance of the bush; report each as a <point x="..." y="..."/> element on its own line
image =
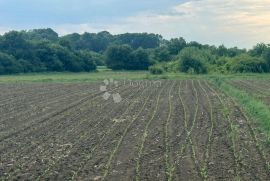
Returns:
<point x="172" y="66"/>
<point x="246" y="63"/>
<point x="156" y="69"/>
<point x="192" y="60"/>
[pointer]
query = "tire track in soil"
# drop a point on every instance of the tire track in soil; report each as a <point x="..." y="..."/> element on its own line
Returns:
<point x="252" y="159"/>
<point x="150" y="159"/>
<point x="95" y="163"/>
<point x="62" y="131"/>
<point x="48" y="117"/>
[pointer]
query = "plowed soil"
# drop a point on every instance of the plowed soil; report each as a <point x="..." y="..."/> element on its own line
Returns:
<point x="181" y="130"/>
<point x="260" y="89"/>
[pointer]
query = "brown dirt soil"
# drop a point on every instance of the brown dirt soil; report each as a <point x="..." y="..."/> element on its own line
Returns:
<point x="183" y="130"/>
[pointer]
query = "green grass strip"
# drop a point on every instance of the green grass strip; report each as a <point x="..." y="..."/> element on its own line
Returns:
<point x="254" y="108"/>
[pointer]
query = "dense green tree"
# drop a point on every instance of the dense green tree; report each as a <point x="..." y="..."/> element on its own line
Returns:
<point x="136" y="40"/>
<point x="175" y="45"/>
<point x="87" y="60"/>
<point x="101" y="41"/>
<point x="139" y="60"/>
<point x="229" y="52"/>
<point x="123" y="57"/>
<point x="97" y="58"/>
<point x="258" y="49"/>
<point x="74" y="39"/>
<point x="194" y="44"/>
<point x="43" y="50"/>
<point x="41" y="34"/>
<point x="65" y="43"/>
<point x="90" y="41"/>
<point x="232" y="52"/>
<point x="266" y="57"/>
<point x="262" y="50"/>
<point x="118" y="56"/>
<point x="221" y="51"/>
<point x="14" y="43"/>
<point x="162" y="54"/>
<point x="9" y="65"/>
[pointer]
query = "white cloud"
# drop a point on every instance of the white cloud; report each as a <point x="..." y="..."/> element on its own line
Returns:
<point x="232" y="22"/>
<point x="240" y="23"/>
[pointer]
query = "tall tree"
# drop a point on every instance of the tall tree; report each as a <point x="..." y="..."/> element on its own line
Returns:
<point x="118" y="56"/>
<point x="175" y="45"/>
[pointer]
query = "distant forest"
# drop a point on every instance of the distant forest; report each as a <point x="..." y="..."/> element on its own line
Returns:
<point x="43" y="50"/>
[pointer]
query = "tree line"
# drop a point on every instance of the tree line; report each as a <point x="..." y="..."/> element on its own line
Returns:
<point x="43" y="50"/>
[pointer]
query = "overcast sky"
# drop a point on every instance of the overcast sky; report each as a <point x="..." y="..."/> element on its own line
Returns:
<point x="240" y="23"/>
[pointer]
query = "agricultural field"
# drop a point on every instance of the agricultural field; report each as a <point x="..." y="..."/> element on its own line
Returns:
<point x="260" y="89"/>
<point x="159" y="130"/>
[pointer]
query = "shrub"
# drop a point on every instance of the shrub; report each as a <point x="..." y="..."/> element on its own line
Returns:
<point x="172" y="66"/>
<point x="156" y="69"/>
<point x="246" y="63"/>
<point x="192" y="60"/>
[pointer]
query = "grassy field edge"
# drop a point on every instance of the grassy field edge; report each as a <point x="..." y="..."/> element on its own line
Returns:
<point x="254" y="108"/>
